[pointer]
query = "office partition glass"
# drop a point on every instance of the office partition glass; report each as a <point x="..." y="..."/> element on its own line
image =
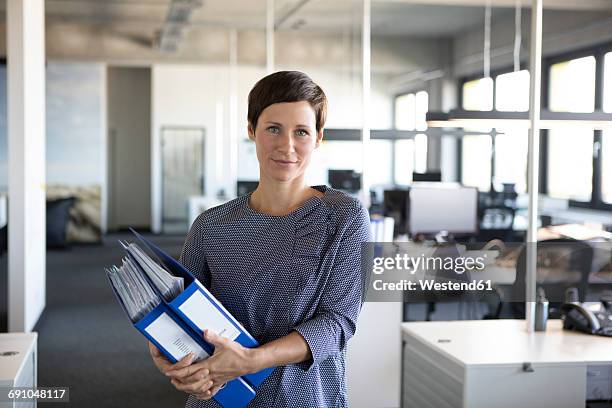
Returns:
<point x="323" y="40"/>
<point x="570" y="164"/>
<point x="572" y="85"/>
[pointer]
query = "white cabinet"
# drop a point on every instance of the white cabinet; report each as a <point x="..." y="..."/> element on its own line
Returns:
<point x="373" y="365"/>
<point x="497" y="363"/>
<point x="18" y="364"/>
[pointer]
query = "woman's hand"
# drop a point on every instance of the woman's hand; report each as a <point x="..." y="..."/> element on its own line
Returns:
<point x="205" y="378"/>
<point x="164" y="365"/>
<point x="161" y="362"/>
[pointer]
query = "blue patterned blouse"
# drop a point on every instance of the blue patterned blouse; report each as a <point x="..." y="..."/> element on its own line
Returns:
<point x="276" y="274"/>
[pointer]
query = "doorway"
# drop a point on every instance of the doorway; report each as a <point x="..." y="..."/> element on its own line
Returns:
<point x="182" y="174"/>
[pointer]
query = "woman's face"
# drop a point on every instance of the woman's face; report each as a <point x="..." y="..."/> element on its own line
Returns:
<point x="285" y="138"/>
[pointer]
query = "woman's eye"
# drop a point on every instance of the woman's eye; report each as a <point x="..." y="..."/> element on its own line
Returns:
<point x="273" y="129"/>
<point x="302" y="132"/>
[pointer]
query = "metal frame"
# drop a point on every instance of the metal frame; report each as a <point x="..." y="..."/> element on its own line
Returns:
<point x="598" y="51"/>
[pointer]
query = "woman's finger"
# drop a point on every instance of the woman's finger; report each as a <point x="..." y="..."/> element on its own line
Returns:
<point x="183" y="363"/>
<point x="204" y="396"/>
<point x="186" y="370"/>
<point x="154" y="350"/>
<point x="199" y="375"/>
<point x="193" y="388"/>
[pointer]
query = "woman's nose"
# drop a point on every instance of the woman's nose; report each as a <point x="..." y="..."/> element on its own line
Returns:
<point x="285" y="142"/>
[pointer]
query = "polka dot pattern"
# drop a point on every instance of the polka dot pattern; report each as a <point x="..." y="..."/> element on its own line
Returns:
<point x="277" y="274"/>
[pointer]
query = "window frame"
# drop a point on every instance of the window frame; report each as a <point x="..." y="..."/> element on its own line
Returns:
<point x="598" y="51"/>
<point x="467" y="78"/>
<point x="414" y="132"/>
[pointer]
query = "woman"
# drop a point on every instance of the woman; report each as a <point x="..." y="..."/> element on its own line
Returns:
<point x="284" y="260"/>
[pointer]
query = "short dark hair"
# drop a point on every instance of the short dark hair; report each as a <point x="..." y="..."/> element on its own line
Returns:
<point x="286" y="86"/>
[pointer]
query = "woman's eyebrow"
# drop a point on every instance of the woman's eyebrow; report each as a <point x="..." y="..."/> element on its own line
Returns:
<point x="273" y="123"/>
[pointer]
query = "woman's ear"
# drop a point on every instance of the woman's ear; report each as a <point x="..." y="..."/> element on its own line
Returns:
<point x="251" y="132"/>
<point x="319" y="138"/>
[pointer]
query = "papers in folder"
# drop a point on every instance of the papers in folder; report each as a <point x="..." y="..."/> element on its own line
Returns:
<point x="171" y="308"/>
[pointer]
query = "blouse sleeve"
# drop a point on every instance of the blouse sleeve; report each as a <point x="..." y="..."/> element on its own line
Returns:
<point x="192" y="255"/>
<point x="335" y="321"/>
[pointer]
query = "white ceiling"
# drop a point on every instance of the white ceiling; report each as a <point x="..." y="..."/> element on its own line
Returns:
<point x="389" y="17"/>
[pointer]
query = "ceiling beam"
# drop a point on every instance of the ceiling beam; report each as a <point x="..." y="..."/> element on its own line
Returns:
<point x="548" y="4"/>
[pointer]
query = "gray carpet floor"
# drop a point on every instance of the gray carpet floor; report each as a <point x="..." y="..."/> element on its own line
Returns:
<point x="85" y="341"/>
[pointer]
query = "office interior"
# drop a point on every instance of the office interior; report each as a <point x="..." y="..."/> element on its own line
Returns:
<point x="119" y="114"/>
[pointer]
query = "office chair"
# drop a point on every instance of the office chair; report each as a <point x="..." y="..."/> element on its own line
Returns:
<point x="496" y="222"/>
<point x="561" y="254"/>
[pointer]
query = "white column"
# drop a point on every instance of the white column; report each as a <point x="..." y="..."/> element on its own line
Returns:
<point x="531" y="240"/>
<point x="233" y="111"/>
<point x="26" y="140"/>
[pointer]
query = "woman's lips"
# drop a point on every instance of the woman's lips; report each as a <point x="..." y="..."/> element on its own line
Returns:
<point x="284" y="162"/>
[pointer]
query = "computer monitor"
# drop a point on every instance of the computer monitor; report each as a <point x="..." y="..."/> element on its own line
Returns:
<point x="441" y="207"/>
<point x="396" y="205"/>
<point x="347" y="180"/>
<point x="429" y="176"/>
<point x="244" y="187"/>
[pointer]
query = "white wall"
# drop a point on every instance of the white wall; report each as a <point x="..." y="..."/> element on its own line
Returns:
<point x="129" y="135"/>
<point x="190" y="95"/>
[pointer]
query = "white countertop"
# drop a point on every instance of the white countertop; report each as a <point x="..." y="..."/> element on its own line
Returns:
<point x="503" y="342"/>
<point x="11" y="365"/>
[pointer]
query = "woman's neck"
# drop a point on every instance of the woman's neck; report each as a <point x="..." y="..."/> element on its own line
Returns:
<point x="274" y="198"/>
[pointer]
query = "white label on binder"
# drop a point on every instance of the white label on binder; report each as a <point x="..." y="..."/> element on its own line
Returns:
<point x="205" y="315"/>
<point x="174" y="339"/>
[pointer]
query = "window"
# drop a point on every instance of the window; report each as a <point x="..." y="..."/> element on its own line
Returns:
<point x="411" y="110"/>
<point x="335" y="155"/>
<point x="420" y="153"/>
<point x="606" y="167"/>
<point x="607" y="91"/>
<point x="606" y="139"/>
<point x="570" y="164"/>
<point x="512" y="92"/>
<point x="572" y="85"/>
<point x="404" y="161"/>
<point x="347" y="155"/>
<point x="478" y="95"/>
<point x="405" y="112"/>
<point x="379" y="161"/>
<point x="421" y="108"/>
<point x="410" y="156"/>
<point x="476" y="161"/>
<point x="511" y="160"/>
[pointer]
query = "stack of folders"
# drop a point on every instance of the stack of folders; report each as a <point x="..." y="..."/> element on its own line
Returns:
<point x="171" y="308"/>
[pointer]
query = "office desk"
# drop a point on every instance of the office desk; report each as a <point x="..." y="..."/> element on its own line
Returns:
<point x="18" y="362"/>
<point x="497" y="363"/>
